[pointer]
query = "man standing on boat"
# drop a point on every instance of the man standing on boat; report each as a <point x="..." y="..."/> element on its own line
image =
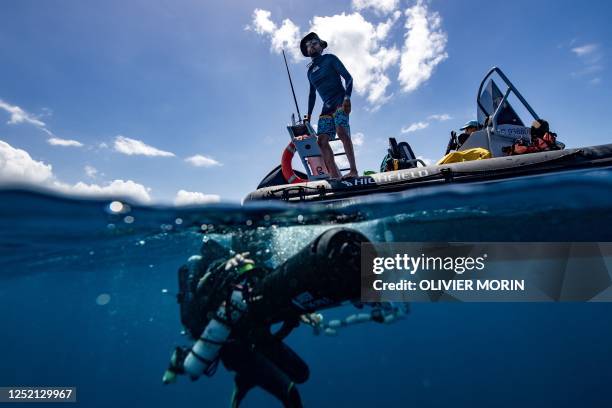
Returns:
<point x="324" y="73"/>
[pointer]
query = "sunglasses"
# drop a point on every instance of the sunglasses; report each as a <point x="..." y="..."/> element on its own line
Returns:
<point x="312" y="42"/>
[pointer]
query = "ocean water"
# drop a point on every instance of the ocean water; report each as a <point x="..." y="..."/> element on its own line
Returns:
<point x="87" y="299"/>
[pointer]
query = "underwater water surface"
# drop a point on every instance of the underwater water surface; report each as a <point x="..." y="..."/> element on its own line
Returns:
<point x="87" y="299"/>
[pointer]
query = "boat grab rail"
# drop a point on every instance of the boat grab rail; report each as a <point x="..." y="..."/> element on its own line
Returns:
<point x="511" y="88"/>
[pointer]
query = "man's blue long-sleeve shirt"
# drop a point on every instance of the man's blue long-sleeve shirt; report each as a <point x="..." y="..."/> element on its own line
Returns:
<point x="324" y="76"/>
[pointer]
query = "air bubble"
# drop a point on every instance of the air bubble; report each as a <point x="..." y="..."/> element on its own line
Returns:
<point x="103" y="299"/>
<point x="116" y="206"/>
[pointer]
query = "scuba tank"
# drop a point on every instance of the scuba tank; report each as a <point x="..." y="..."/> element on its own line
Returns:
<point x="203" y="355"/>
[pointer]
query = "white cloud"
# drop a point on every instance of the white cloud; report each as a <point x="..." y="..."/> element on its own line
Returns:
<point x="589" y="69"/>
<point x="443" y="117"/>
<point x="262" y="23"/>
<point x="18" y="115"/>
<point x="424" y="46"/>
<point x="17" y="166"/>
<point x="365" y="46"/>
<point x="90" y="171"/>
<point x="286" y="37"/>
<point x="585" y="50"/>
<point x="202" y="161"/>
<point x="130" y="147"/>
<point x="358" y="139"/>
<point x="595" y="81"/>
<point x="382" y="29"/>
<point x="380" y="6"/>
<point x="194" y="198"/>
<point x="590" y="56"/>
<point x="355" y="41"/>
<point x="56" y="141"/>
<point x="116" y="189"/>
<point x="413" y="127"/>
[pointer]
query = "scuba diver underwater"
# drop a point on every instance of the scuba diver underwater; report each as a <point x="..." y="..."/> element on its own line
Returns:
<point x="228" y="305"/>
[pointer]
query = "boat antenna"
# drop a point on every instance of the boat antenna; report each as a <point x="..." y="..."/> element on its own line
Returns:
<point x="291" y="83"/>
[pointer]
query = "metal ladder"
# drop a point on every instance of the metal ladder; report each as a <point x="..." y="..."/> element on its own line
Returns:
<point x="304" y="138"/>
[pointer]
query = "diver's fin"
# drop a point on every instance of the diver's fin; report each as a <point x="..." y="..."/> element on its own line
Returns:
<point x="169" y="377"/>
<point x="176" y="365"/>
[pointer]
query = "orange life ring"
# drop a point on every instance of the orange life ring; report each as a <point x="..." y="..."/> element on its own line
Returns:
<point x="288" y="172"/>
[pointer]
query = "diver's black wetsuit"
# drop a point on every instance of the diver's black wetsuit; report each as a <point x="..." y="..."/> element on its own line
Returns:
<point x="271" y="365"/>
<point x="327" y="271"/>
<point x="323" y="274"/>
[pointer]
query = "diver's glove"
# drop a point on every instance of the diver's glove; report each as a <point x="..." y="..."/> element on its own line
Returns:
<point x="312" y="319"/>
<point x="240" y="261"/>
<point x="315" y="320"/>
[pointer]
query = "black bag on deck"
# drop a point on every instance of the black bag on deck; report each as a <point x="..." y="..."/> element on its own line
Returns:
<point x="400" y="156"/>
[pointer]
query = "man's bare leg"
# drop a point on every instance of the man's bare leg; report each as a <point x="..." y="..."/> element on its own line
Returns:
<point x="328" y="156"/>
<point x="348" y="149"/>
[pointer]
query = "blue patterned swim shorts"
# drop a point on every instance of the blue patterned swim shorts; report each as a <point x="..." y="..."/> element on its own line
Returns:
<point x="327" y="123"/>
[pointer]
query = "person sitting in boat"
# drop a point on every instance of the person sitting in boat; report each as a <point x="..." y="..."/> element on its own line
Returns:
<point x="467" y="129"/>
<point x="324" y="73"/>
<point x="542" y="139"/>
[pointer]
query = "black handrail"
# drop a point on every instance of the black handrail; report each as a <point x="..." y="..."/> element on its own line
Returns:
<point x="510" y="86"/>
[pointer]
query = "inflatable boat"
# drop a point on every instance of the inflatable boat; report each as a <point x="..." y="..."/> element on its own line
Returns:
<point x="500" y="129"/>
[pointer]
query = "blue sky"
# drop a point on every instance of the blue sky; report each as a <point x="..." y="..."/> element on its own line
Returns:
<point x="148" y="98"/>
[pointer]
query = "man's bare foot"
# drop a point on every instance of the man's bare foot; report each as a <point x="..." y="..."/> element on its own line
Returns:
<point x="351" y="174"/>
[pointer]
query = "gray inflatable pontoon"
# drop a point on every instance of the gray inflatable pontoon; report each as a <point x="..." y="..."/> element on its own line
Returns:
<point x="465" y="172"/>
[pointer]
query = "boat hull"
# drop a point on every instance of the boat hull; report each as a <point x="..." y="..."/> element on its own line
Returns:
<point x="464" y="172"/>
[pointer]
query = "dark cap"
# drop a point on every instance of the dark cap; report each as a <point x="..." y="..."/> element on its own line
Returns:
<point x="539" y="128"/>
<point x="307" y="38"/>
